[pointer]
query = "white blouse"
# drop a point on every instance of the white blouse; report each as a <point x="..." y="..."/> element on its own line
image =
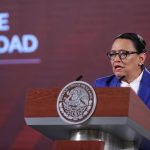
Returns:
<point x="134" y="84"/>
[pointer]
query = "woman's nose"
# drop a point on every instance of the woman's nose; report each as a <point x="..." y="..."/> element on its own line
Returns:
<point x="117" y="58"/>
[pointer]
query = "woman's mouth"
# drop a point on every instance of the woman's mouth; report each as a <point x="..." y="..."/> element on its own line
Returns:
<point x="118" y="67"/>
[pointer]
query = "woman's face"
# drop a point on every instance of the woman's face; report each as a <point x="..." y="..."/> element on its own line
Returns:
<point x="129" y="66"/>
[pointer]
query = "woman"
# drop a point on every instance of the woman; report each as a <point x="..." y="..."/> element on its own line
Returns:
<point x="127" y="57"/>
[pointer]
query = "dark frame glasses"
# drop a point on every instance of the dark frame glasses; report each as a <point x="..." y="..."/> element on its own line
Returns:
<point x="122" y="54"/>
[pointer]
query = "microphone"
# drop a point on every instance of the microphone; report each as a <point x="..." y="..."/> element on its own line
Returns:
<point x="120" y="79"/>
<point x="79" y="78"/>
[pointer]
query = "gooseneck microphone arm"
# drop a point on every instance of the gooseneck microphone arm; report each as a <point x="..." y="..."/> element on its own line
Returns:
<point x="79" y="78"/>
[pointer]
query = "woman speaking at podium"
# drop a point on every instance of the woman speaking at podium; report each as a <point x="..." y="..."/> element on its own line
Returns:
<point x="127" y="57"/>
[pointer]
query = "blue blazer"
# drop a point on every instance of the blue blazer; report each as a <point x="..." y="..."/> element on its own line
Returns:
<point x="113" y="81"/>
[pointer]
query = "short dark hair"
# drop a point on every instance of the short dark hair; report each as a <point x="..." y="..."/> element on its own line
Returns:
<point x="137" y="40"/>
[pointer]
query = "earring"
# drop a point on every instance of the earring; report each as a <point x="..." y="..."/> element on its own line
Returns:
<point x="140" y="64"/>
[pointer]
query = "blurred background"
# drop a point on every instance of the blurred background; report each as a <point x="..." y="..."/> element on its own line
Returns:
<point x="49" y="43"/>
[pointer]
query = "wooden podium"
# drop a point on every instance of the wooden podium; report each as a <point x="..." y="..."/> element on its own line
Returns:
<point x="120" y="120"/>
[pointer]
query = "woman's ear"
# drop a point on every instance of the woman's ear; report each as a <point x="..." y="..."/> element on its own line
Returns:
<point x="142" y="58"/>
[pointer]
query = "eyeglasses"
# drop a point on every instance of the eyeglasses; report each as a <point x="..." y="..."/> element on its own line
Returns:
<point x="122" y="54"/>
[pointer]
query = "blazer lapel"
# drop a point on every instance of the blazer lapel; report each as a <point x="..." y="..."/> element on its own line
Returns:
<point x="144" y="89"/>
<point x="115" y="82"/>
